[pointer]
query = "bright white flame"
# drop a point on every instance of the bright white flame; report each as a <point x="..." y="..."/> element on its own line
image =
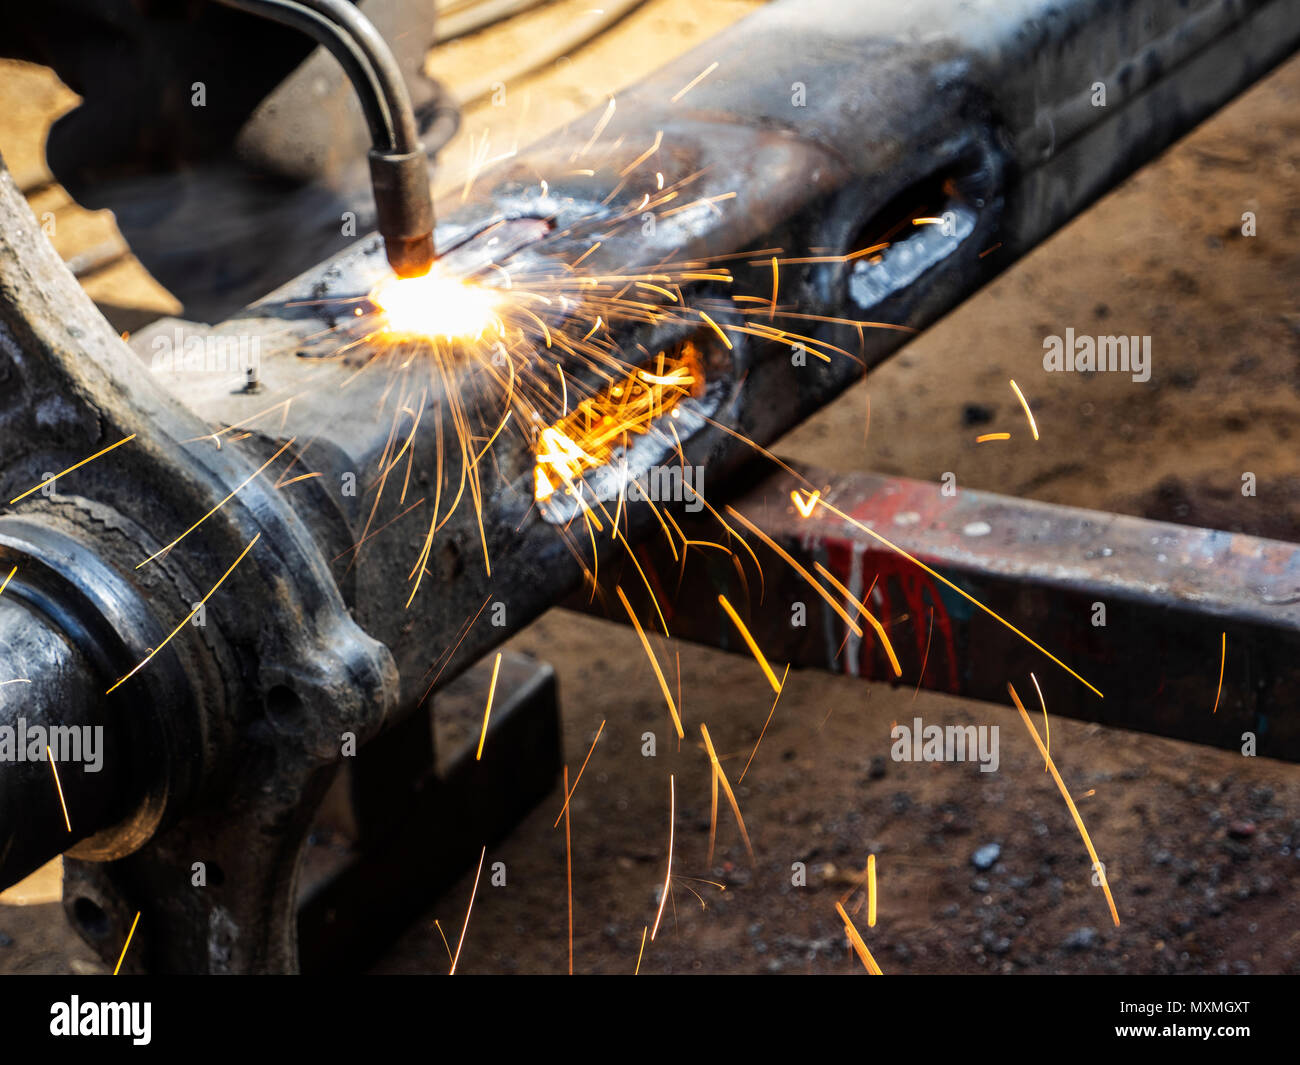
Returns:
<point x="435" y="306"/>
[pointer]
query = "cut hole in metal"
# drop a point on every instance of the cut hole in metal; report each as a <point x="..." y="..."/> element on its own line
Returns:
<point x="91" y="919"/>
<point x="603" y="428"/>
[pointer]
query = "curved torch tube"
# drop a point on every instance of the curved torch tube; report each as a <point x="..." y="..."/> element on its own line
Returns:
<point x="398" y="166"/>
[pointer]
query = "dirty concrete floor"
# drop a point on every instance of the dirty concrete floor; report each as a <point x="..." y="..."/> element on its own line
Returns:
<point x="1201" y="846"/>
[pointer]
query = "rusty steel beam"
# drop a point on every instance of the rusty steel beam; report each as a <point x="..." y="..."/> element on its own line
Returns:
<point x="1141" y="610"/>
<point x="981" y="112"/>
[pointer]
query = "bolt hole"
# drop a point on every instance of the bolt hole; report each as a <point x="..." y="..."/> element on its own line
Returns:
<point x="283" y="707"/>
<point x="449" y="564"/>
<point x="91" y="919"/>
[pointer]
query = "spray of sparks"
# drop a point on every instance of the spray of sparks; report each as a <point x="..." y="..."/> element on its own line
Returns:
<point x="499" y="340"/>
<point x="538" y="349"/>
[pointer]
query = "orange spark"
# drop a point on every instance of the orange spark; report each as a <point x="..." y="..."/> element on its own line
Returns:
<point x="468" y="910"/>
<point x="871" y="891"/>
<point x="864" y="955"/>
<point x="197" y="607"/>
<point x="659" y="139"/>
<point x="1222" y="662"/>
<point x="804" y="506"/>
<point x="694" y="81"/>
<point x="600" y="128"/>
<point x="637" y="971"/>
<point x="375" y="532"/>
<point x="871" y="618"/>
<point x="300" y="477"/>
<point x="1098" y="868"/>
<point x="785" y="556"/>
<point x="850" y="257"/>
<point x="586" y="253"/>
<point x="74" y="466"/>
<point x="925" y="658"/>
<point x="568" y="863"/>
<point x="487" y="710"/>
<point x="721" y="777"/>
<point x="55" y="769"/>
<point x="446" y="946"/>
<point x="944" y="580"/>
<point x="568" y="794"/>
<point x="750" y="641"/>
<point x="129" y="934"/>
<point x="1047" y="724"/>
<point x="763" y="733"/>
<point x="715" y="327"/>
<point x="242" y="484"/>
<point x="713" y="814"/>
<point x="668" y="876"/>
<point x="450" y="653"/>
<point x="984" y="438"/>
<point x="654" y="662"/>
<point x="1033" y="425"/>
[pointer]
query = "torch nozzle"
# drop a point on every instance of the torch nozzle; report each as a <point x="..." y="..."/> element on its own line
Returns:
<point x="404" y="209"/>
<point x="399" y="168"/>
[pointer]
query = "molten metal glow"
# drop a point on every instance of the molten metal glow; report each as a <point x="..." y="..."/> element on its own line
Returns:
<point x="587" y="436"/>
<point x="435" y="306"/>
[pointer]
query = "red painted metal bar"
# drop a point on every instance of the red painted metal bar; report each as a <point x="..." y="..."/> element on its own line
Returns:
<point x="1141" y="611"/>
